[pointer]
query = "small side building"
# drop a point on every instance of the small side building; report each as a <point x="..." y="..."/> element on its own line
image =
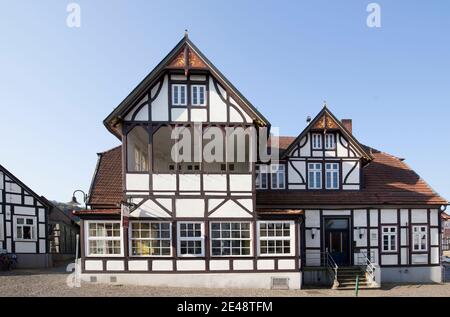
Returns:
<point x="28" y="222"/>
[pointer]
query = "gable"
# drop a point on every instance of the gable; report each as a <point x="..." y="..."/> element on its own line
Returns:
<point x="16" y="192"/>
<point x="326" y="123"/>
<point x="148" y="101"/>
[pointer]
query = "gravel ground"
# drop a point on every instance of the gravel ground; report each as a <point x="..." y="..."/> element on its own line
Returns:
<point x="53" y="283"/>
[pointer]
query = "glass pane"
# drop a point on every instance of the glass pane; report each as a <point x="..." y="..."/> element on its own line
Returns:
<point x="336" y="224"/>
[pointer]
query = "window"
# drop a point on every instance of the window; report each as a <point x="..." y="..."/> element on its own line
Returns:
<point x="277" y="176"/>
<point x="420" y="238"/>
<point x="330" y="142"/>
<point x="275" y="238"/>
<point x="198" y="95"/>
<point x="25" y="228"/>
<point x="389" y="238"/>
<point x="137" y="149"/>
<point x="332" y="175"/>
<point x="316" y="141"/>
<point x="190" y="239"/>
<point x="104" y="238"/>
<point x="2" y="235"/>
<point x="179" y="95"/>
<point x="261" y="176"/>
<point x="315" y="175"/>
<point x="151" y="239"/>
<point x="230" y="238"/>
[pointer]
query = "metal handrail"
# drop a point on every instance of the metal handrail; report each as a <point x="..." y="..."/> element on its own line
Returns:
<point x="369" y="266"/>
<point x="332" y="267"/>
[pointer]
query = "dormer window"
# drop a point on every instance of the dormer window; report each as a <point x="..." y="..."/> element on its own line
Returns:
<point x="332" y="175"/>
<point x="179" y="95"/>
<point x="315" y="175"/>
<point x="316" y="141"/>
<point x="330" y="142"/>
<point x="198" y="93"/>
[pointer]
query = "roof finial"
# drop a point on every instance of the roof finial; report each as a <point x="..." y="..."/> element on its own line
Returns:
<point x="186" y="33"/>
<point x="324" y="103"/>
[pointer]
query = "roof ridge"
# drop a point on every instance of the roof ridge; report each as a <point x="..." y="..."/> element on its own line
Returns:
<point x="110" y="150"/>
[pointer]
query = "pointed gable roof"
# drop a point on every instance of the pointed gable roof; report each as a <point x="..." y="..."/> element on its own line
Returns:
<point x="325" y="120"/>
<point x="184" y="56"/>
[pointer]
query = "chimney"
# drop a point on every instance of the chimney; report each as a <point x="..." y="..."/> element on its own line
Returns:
<point x="347" y="123"/>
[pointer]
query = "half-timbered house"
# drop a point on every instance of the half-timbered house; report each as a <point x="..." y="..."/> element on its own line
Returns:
<point x="27" y="225"/>
<point x="327" y="210"/>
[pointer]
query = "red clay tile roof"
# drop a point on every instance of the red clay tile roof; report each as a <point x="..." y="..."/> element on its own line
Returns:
<point x="445" y="216"/>
<point x="106" y="188"/>
<point x="387" y="180"/>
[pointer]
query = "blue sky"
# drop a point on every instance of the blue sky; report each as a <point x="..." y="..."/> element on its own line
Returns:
<point x="57" y="84"/>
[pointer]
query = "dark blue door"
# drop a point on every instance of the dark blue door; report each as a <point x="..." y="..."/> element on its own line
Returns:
<point x="337" y="240"/>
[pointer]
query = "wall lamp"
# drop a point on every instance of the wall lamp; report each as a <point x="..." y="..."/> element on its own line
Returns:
<point x="362" y="232"/>
<point x="313" y="232"/>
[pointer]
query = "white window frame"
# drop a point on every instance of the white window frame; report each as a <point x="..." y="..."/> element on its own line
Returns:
<point x="279" y="170"/>
<point x="201" y="239"/>
<point x="211" y="239"/>
<point x="198" y="95"/>
<point x="291" y="239"/>
<point x="334" y="175"/>
<point x="389" y="234"/>
<point x="131" y="239"/>
<point x="262" y="171"/>
<point x="330" y="138"/>
<point x="33" y="228"/>
<point x="315" y="170"/>
<point x="419" y="236"/>
<point x="316" y="141"/>
<point x="140" y="160"/>
<point x="88" y="238"/>
<point x="178" y="102"/>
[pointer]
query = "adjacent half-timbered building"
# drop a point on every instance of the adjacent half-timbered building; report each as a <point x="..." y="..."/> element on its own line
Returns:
<point x="27" y="221"/>
<point x="326" y="208"/>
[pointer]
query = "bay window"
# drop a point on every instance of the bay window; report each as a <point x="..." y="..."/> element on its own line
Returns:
<point x="104" y="238"/>
<point x="315" y="175"/>
<point x="190" y="239"/>
<point x="276" y="238"/>
<point x="230" y="238"/>
<point x="389" y="236"/>
<point x="420" y="238"/>
<point x="151" y="238"/>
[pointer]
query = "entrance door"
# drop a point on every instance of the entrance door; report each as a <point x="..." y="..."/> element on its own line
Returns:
<point x="337" y="240"/>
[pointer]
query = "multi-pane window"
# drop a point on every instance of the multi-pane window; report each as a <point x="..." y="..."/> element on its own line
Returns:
<point x="261" y="176"/>
<point x="317" y="141"/>
<point x="198" y="95"/>
<point x="190" y="235"/>
<point x="389" y="235"/>
<point x="151" y="238"/>
<point x="315" y="175"/>
<point x="230" y="238"/>
<point x="330" y="142"/>
<point x="104" y="238"/>
<point x="140" y="160"/>
<point x="179" y="97"/>
<point x="277" y="176"/>
<point x="420" y="238"/>
<point x="25" y="228"/>
<point x="332" y="175"/>
<point x="275" y="238"/>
